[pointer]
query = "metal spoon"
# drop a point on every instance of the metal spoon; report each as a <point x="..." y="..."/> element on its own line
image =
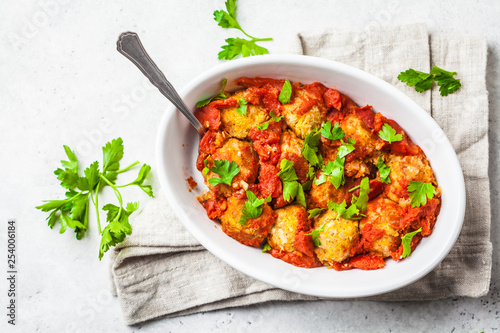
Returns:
<point x="131" y="47"/>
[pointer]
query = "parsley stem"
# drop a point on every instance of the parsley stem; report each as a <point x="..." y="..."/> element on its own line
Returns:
<point x="118" y="195"/>
<point x="128" y="168"/>
<point x="96" y="205"/>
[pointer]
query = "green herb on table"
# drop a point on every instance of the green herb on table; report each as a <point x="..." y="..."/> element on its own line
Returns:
<point x="406" y="241"/>
<point x="423" y="81"/>
<point x="252" y="208"/>
<point x="226" y="170"/>
<point x="220" y="95"/>
<point x="420" y="192"/>
<point x="73" y="211"/>
<point x="387" y="133"/>
<point x="237" y="46"/>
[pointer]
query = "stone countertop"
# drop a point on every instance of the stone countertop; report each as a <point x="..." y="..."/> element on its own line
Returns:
<point x="64" y="83"/>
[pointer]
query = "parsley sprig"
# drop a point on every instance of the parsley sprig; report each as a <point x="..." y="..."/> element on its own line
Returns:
<point x="384" y="171"/>
<point x="252" y="207"/>
<point x="423" y="81"/>
<point x="330" y="133"/>
<point x="73" y="212"/>
<point x="351" y="213"/>
<point x="419" y="192"/>
<point x="237" y="46"/>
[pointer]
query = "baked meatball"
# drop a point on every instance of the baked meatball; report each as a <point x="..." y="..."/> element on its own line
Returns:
<point x="319" y="195"/>
<point x="291" y="149"/>
<point x="242" y="153"/>
<point x="403" y="170"/>
<point x="337" y="239"/>
<point x="380" y="231"/>
<point x="288" y="238"/>
<point x="300" y="120"/>
<point x="253" y="231"/>
<point x="238" y="125"/>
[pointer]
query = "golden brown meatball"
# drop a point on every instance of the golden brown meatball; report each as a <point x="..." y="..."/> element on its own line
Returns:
<point x="321" y="194"/>
<point x="367" y="142"/>
<point x="380" y="228"/>
<point x="238" y="125"/>
<point x="291" y="149"/>
<point x="301" y="122"/>
<point x="253" y="231"/>
<point x="288" y="237"/>
<point x="243" y="154"/>
<point x="403" y="170"/>
<point x="337" y="238"/>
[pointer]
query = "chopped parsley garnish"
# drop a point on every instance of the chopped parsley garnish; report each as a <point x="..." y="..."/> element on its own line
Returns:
<point x="346" y="148"/>
<point x="220" y="95"/>
<point x="351" y="213"/>
<point x="286" y="92"/>
<point x="384" y="171"/>
<point x="315" y="235"/>
<point x="225" y="170"/>
<point x="252" y="207"/>
<point x="242" y="107"/>
<point x="266" y="247"/>
<point x="419" y="192"/>
<point x="361" y="201"/>
<point x="423" y="81"/>
<point x="291" y="187"/>
<point x="205" y="169"/>
<point x="387" y="133"/>
<point x="315" y="212"/>
<point x="237" y="46"/>
<point x="330" y="133"/>
<point x="310" y="149"/>
<point x="274" y="118"/>
<point x="406" y="241"/>
<point x="264" y="126"/>
<point x="335" y="172"/>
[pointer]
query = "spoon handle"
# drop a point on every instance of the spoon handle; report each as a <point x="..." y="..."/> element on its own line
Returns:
<point x="131" y="47"/>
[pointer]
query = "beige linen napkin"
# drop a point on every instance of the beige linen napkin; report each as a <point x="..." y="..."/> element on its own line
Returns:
<point x="161" y="270"/>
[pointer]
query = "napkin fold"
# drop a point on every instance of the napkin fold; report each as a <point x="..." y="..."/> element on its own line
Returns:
<point x="162" y="271"/>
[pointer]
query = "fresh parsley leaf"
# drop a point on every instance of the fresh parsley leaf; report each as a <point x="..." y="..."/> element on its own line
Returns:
<point x="420" y="80"/>
<point x="423" y="81"/>
<point x="406" y="241"/>
<point x="315" y="212"/>
<point x="445" y="80"/>
<point x="266" y="247"/>
<point x="73" y="212"/>
<point x="351" y="213"/>
<point x="315" y="235"/>
<point x="220" y="95"/>
<point x="274" y="117"/>
<point x="240" y="46"/>
<point x="346" y="148"/>
<point x="330" y="133"/>
<point x="227" y="171"/>
<point x="321" y="179"/>
<point x="252" y="207"/>
<point x="335" y="171"/>
<point x="387" y="133"/>
<point x="264" y="126"/>
<point x="112" y="153"/>
<point x="205" y="170"/>
<point x="242" y="107"/>
<point x="310" y="149"/>
<point x="227" y="20"/>
<point x="362" y="201"/>
<point x="384" y="171"/>
<point x="286" y="92"/>
<point x="291" y="187"/>
<point x="419" y="192"/>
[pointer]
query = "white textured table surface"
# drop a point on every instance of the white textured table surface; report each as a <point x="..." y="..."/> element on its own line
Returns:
<point x="62" y="82"/>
